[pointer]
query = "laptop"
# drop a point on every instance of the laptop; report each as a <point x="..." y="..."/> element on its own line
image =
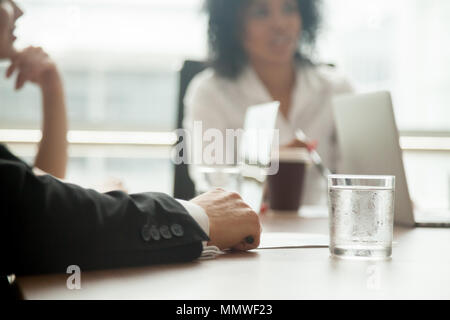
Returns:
<point x="370" y="145"/>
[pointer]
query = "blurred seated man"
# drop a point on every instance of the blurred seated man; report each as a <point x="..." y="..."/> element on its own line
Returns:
<point x="48" y="225"/>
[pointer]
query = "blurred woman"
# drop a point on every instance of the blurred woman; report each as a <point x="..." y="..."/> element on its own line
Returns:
<point x="261" y="51"/>
<point x="35" y="66"/>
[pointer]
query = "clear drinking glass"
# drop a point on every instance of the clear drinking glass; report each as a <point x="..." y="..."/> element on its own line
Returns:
<point x="361" y="212"/>
<point x="210" y="178"/>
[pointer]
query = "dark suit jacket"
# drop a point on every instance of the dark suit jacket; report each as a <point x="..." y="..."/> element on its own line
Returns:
<point x="48" y="225"/>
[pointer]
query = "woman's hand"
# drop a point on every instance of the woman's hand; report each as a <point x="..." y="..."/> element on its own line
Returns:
<point x="310" y="145"/>
<point x="34" y="65"/>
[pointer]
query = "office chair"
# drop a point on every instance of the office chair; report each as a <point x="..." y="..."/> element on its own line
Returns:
<point x="184" y="187"/>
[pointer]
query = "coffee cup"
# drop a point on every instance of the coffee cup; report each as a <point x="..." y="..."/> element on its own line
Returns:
<point x="285" y="189"/>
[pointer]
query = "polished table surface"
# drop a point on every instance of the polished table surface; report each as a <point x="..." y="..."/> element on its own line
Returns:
<point x="419" y="269"/>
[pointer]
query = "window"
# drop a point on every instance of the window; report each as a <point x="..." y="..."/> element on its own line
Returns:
<point x="401" y="46"/>
<point x="120" y="61"/>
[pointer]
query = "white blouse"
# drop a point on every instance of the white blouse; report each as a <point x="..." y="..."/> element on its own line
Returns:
<point x="221" y="103"/>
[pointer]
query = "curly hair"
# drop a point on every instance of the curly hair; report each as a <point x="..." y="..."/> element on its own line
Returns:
<point x="227" y="54"/>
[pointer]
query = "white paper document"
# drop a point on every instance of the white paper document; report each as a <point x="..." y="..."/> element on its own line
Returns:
<point x="281" y="240"/>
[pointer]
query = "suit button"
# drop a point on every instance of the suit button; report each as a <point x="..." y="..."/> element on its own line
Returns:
<point x="155" y="233"/>
<point x="165" y="232"/>
<point x="177" y="230"/>
<point x="145" y="232"/>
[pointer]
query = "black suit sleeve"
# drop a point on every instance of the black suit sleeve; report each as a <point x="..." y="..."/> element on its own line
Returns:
<point x="48" y="225"/>
<point x="5" y="154"/>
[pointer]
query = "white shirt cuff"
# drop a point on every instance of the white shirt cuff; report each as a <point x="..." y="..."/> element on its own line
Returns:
<point x="197" y="213"/>
<point x="202" y="219"/>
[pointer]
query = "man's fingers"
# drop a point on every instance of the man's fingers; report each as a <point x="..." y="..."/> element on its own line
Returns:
<point x="240" y="247"/>
<point x="233" y="224"/>
<point x="244" y="245"/>
<point x="250" y="242"/>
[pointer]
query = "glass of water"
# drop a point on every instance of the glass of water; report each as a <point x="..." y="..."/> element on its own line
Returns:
<point x="361" y="212"/>
<point x="227" y="178"/>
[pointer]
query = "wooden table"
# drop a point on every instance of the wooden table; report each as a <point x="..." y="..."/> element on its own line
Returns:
<point x="419" y="269"/>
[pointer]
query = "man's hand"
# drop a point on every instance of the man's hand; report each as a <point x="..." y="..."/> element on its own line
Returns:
<point x="232" y="223"/>
<point x="34" y="65"/>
